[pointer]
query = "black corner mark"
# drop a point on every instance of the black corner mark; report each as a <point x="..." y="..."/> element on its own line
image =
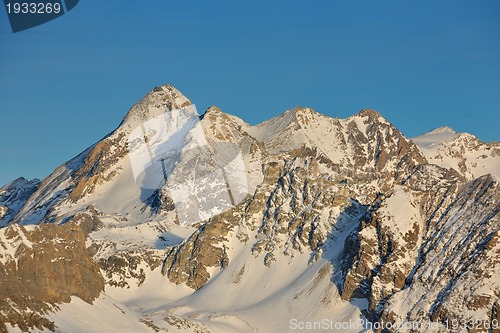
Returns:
<point x="26" y="14"/>
<point x="70" y="4"/>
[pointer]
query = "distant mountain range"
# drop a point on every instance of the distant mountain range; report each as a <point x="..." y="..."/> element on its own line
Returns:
<point x="202" y="223"/>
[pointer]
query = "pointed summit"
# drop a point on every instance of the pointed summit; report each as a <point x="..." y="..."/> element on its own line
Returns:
<point x="436" y="136"/>
<point x="13" y="196"/>
<point x="168" y="96"/>
<point x="304" y="116"/>
<point x="365" y="117"/>
<point x="442" y="130"/>
<point x="369" y="113"/>
<point x="157" y="101"/>
<point x="212" y="114"/>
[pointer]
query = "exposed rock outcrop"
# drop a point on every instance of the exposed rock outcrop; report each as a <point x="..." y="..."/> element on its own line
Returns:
<point x="41" y="266"/>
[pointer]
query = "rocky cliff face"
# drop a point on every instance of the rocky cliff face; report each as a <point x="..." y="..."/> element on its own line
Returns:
<point x="427" y="258"/>
<point x="454" y="276"/>
<point x="342" y="218"/>
<point x="40" y="267"/>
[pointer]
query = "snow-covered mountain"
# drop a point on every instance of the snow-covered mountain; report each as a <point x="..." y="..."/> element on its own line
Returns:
<point x="461" y="151"/>
<point x="204" y="223"/>
<point x="13" y="196"/>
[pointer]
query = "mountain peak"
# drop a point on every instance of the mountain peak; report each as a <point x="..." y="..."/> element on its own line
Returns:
<point x="212" y="110"/>
<point x="167" y="95"/>
<point x="13" y="196"/>
<point x="369" y="116"/>
<point x="460" y="151"/>
<point x="18" y="182"/>
<point x="369" y="113"/>
<point x="156" y="102"/>
<point x="22" y="182"/>
<point x="436" y="136"/>
<point x="302" y="115"/>
<point x="442" y="130"/>
<point x="299" y="109"/>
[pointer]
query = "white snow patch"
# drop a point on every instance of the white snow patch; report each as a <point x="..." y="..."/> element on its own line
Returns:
<point x="104" y="315"/>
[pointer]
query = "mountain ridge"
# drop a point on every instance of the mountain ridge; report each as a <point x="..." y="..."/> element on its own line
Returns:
<point x="336" y="218"/>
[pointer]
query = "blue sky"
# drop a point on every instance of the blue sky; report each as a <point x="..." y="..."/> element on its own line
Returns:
<point x="421" y="64"/>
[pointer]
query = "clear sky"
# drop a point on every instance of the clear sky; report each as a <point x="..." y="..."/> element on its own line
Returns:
<point x="421" y="64"/>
